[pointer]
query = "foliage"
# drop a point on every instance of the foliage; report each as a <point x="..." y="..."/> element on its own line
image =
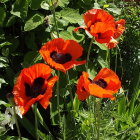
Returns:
<point x="25" y="25"/>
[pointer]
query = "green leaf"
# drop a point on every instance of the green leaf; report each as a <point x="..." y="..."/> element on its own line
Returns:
<point x="3" y="1"/>
<point x="122" y="106"/>
<point x="91" y="70"/>
<point x="101" y="46"/>
<point x="12" y="138"/>
<point x="115" y="10"/>
<point x="102" y="62"/>
<point x="10" y="75"/>
<point x="28" y="126"/>
<point x="5" y="44"/>
<point x="71" y="15"/>
<point x="45" y="5"/>
<point x="11" y="21"/>
<point x="31" y="58"/>
<point x="4" y="103"/>
<point x="34" y="22"/>
<point x="2" y="81"/>
<point x="43" y="136"/>
<point x="137" y="110"/>
<point x="30" y="41"/>
<point x="14" y="43"/>
<point x="70" y="34"/>
<point x="96" y="5"/>
<point x="20" y="8"/>
<point x="4" y="60"/>
<point x="5" y="51"/>
<point x="2" y="65"/>
<point x="2" y="15"/>
<point x="35" y="4"/>
<point x="63" y="3"/>
<point x="76" y="103"/>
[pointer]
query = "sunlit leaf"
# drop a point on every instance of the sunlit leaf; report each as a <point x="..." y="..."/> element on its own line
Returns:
<point x="71" y="15"/>
<point x="63" y="3"/>
<point x="5" y="44"/>
<point x="20" y="8"/>
<point x="34" y="22"/>
<point x="101" y="46"/>
<point x="70" y="34"/>
<point x="45" y="5"/>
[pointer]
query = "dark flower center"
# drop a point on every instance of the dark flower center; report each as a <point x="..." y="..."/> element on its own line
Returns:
<point x="36" y="88"/>
<point x="116" y="26"/>
<point x="60" y="57"/>
<point x="97" y="20"/>
<point x="100" y="83"/>
<point x="99" y="35"/>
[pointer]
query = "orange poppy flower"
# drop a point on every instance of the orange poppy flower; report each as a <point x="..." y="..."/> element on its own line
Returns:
<point x="99" y="24"/>
<point x="61" y="54"/>
<point x="104" y="85"/>
<point x="33" y="84"/>
<point x="118" y="32"/>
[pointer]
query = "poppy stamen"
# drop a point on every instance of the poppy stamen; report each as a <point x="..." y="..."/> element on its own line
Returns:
<point x="60" y="57"/>
<point x="36" y="88"/>
<point x="100" y="83"/>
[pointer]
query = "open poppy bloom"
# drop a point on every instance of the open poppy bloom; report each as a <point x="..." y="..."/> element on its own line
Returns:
<point x="119" y="29"/>
<point x="33" y="84"/>
<point x="104" y="85"/>
<point x="61" y="54"/>
<point x="99" y="24"/>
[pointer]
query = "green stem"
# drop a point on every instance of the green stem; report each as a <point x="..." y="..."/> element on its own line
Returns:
<point x="108" y="57"/>
<point x="57" y="91"/>
<point x="98" y="103"/>
<point x="64" y="125"/>
<point x="116" y="60"/>
<point x="16" y="121"/>
<point x="68" y="79"/>
<point x="54" y="17"/>
<point x="89" y="49"/>
<point x="36" y="121"/>
<point x="121" y="64"/>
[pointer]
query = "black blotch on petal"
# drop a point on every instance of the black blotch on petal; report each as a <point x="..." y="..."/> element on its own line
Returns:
<point x="60" y="57"/>
<point x="36" y="88"/>
<point x="100" y="83"/>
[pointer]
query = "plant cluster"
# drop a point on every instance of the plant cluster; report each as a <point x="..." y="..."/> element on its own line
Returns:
<point x="59" y="66"/>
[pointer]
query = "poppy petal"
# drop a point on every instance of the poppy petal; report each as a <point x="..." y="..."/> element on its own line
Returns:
<point x="73" y="48"/>
<point x="99" y="92"/>
<point x="73" y="63"/>
<point x="28" y="76"/>
<point x="48" y="94"/>
<point x="82" y="87"/>
<point x="64" y="55"/>
<point x="112" y="43"/>
<point x="23" y="109"/>
<point x="109" y="76"/>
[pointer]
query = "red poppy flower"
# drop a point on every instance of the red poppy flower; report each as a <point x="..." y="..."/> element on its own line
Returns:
<point x="119" y="28"/>
<point x="33" y="85"/>
<point x="61" y="54"/>
<point x="104" y="85"/>
<point x="99" y="24"/>
<point x="118" y="32"/>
